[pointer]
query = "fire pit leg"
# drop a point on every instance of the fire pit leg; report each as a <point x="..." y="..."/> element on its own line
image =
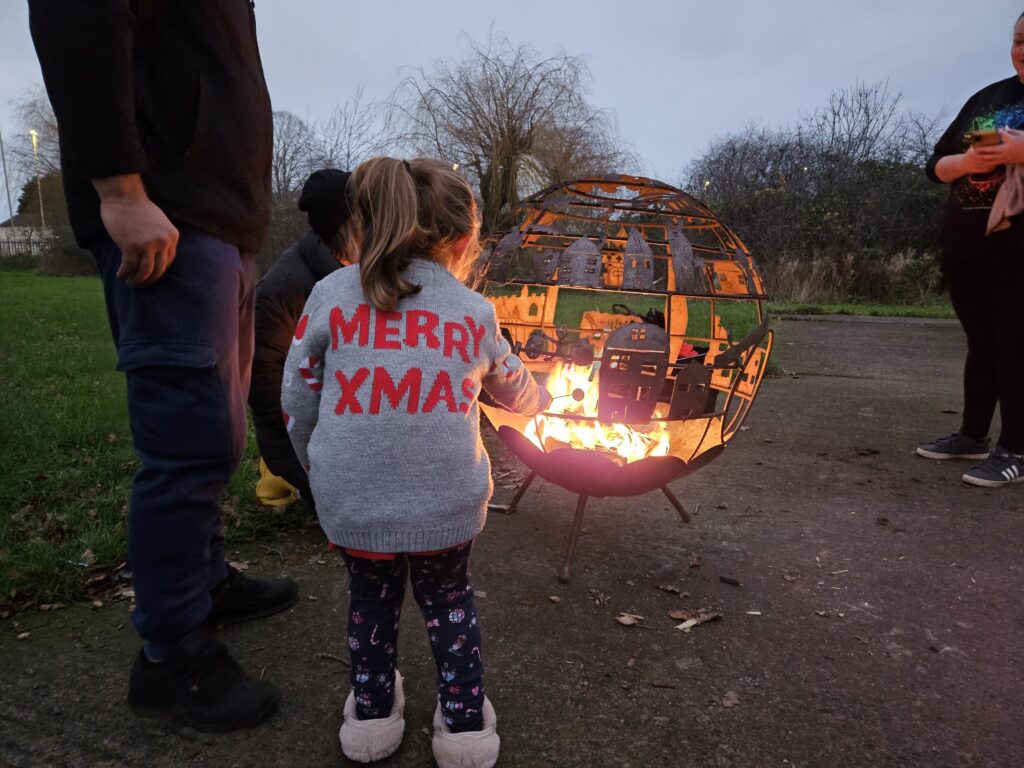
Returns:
<point x="676" y="503"/>
<point x="522" y="490"/>
<point x="574" y="535"/>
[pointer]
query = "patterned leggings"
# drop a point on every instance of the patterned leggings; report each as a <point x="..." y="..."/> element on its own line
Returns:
<point x="440" y="584"/>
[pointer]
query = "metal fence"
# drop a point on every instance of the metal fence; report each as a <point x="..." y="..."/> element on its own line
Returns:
<point x="25" y="246"/>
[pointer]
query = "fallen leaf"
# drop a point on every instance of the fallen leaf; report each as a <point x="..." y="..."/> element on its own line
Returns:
<point x="555" y="599"/>
<point x="630" y="582"/>
<point x="790" y="576"/>
<point x="680" y="615"/>
<point x="87" y="558"/>
<point x="239" y="565"/>
<point x="670" y="588"/>
<point x="628" y="619"/>
<point x="631" y="663"/>
<point x="23" y="636"/>
<point x="694" y="618"/>
<point x="51" y="607"/>
<point x="480" y="593"/>
<point x="731" y="699"/>
<point x="695" y="562"/>
<point x="96" y="604"/>
<point x="721" y="505"/>
<point x="505" y="508"/>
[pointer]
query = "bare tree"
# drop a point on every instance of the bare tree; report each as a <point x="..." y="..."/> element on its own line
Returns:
<point x="354" y="132"/>
<point x="588" y="147"/>
<point x="295" y="146"/>
<point x="845" y="182"/>
<point x="34" y="113"/>
<point x="489" y="111"/>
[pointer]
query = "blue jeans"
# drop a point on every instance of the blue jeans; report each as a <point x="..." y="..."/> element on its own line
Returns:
<point x="185" y="345"/>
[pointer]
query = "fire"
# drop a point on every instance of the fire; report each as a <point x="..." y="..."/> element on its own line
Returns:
<point x="566" y="383"/>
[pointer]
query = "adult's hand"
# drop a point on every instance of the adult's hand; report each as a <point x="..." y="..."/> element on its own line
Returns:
<point x="952" y="167"/>
<point x="147" y="239"/>
<point x="1010" y="152"/>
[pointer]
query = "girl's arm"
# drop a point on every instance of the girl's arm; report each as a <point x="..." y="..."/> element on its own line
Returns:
<point x="303" y="377"/>
<point x="508" y="381"/>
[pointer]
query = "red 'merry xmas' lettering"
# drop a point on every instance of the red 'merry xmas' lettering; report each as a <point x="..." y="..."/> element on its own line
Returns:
<point x="383" y="384"/>
<point x="383" y="330"/>
<point x="360" y="322"/>
<point x="477" y="331"/>
<point x="455" y="337"/>
<point x="420" y="322"/>
<point x="442" y="390"/>
<point x="349" y="389"/>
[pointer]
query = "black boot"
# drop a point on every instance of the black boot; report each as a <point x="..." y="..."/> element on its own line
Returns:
<point x="201" y="686"/>
<point x="239" y="598"/>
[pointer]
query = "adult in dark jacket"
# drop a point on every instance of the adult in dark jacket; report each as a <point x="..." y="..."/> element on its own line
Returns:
<point x="280" y="297"/>
<point x="165" y="134"/>
<point x="984" y="268"/>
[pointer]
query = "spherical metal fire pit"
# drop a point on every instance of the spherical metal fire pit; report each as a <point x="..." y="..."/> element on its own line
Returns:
<point x="644" y="314"/>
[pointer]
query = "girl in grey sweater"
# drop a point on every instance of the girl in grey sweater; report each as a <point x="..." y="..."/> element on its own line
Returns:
<point x="380" y="398"/>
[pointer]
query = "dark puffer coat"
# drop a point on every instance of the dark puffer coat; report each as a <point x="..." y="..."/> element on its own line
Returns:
<point x="280" y="297"/>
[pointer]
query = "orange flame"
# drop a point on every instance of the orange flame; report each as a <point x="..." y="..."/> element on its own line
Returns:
<point x="549" y="432"/>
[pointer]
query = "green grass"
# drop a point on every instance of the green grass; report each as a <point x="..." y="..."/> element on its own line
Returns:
<point x="66" y="453"/>
<point x="938" y="307"/>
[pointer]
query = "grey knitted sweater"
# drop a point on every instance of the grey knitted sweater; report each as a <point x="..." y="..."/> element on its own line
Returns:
<point x="382" y="409"/>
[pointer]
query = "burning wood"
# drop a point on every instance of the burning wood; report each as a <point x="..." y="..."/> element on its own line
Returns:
<point x="557" y="428"/>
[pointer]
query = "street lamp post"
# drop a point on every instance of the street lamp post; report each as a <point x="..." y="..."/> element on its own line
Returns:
<point x="39" y="179"/>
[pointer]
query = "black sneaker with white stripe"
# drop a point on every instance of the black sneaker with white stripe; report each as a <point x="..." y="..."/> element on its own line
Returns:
<point x="955" y="446"/>
<point x="1000" y="468"/>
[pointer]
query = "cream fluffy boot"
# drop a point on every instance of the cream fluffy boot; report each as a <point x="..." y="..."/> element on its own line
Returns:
<point x="471" y="749"/>
<point x="368" y="740"/>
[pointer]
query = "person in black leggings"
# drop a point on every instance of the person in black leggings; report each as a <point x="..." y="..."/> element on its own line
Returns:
<point x="985" y="273"/>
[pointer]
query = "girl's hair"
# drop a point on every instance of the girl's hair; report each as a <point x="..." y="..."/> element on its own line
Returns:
<point x="346" y="244"/>
<point x="409" y="209"/>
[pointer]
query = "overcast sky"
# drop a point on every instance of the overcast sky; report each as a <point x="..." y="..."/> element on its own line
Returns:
<point x="676" y="73"/>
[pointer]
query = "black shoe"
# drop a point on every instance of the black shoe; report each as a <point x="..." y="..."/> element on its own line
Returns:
<point x="201" y="686"/>
<point x="239" y="598"/>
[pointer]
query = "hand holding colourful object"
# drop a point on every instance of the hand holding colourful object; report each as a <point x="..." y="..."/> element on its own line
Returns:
<point x="1009" y="152"/>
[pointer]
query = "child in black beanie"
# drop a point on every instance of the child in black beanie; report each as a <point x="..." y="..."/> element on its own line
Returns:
<point x="280" y="296"/>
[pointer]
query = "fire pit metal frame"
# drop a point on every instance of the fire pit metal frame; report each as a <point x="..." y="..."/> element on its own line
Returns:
<point x="573" y="235"/>
<point x="693" y="463"/>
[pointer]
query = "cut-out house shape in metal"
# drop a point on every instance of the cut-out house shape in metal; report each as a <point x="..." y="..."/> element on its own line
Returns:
<point x="643" y="283"/>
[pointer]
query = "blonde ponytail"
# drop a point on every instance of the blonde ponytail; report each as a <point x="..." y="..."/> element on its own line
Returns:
<point x="408" y="210"/>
